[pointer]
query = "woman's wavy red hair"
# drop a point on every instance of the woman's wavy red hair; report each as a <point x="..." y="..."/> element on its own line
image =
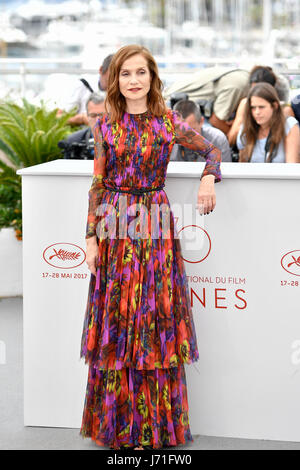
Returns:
<point x="115" y="102"/>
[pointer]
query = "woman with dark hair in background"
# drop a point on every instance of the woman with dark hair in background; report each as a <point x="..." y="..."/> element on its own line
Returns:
<point x="138" y="330"/>
<point x="266" y="135"/>
<point x="258" y="74"/>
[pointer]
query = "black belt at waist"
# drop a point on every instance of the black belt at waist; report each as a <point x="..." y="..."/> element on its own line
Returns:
<point x="134" y="190"/>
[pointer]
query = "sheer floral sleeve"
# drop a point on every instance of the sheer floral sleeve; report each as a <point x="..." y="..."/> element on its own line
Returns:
<point x="188" y="137"/>
<point x="97" y="187"/>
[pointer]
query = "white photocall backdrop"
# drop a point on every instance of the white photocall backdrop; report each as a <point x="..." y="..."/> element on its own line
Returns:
<point x="243" y="267"/>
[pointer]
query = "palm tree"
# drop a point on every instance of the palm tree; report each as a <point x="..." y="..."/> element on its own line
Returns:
<point x="29" y="135"/>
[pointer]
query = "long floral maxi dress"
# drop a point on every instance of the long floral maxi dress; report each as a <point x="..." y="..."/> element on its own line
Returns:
<point x="138" y="329"/>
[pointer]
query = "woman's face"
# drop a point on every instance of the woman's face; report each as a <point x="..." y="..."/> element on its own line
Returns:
<point x="262" y="110"/>
<point x="135" y="79"/>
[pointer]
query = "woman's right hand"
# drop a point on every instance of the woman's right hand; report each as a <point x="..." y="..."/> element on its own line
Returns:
<point x="92" y="253"/>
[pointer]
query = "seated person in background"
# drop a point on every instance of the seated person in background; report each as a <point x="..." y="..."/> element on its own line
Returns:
<point x="81" y="93"/>
<point x="266" y="135"/>
<point x="258" y="74"/>
<point x="223" y="87"/>
<point x="94" y="107"/>
<point x="191" y="114"/>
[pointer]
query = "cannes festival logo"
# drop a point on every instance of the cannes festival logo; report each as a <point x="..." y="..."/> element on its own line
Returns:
<point x="291" y="262"/>
<point x="64" y="255"/>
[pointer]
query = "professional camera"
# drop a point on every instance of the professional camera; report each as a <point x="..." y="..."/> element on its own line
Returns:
<point x="205" y="106"/>
<point x="234" y="154"/>
<point x="78" y="150"/>
<point x="175" y="97"/>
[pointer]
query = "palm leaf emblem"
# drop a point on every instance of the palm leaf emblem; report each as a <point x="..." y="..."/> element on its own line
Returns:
<point x="296" y="261"/>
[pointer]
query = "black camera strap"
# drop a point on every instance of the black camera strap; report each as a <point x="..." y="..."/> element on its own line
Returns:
<point x="86" y="83"/>
<point x="272" y="155"/>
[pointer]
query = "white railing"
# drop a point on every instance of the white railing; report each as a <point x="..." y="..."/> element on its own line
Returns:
<point x="169" y="66"/>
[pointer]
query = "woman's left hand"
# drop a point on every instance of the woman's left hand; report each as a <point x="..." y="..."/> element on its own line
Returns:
<point x="206" y="201"/>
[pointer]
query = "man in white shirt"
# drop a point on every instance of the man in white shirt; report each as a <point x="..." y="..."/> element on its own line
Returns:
<point x="81" y="92"/>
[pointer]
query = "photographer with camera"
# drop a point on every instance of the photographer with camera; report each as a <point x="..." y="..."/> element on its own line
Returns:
<point x="191" y="114"/>
<point x="221" y="89"/>
<point x="80" y="144"/>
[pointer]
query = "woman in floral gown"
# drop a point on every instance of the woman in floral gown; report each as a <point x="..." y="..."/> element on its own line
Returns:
<point x="138" y="330"/>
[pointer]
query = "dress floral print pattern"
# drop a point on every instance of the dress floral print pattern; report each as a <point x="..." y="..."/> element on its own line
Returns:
<point x="129" y="407"/>
<point x="138" y="330"/>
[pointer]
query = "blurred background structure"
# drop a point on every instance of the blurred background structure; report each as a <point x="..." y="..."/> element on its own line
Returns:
<point x="39" y="38"/>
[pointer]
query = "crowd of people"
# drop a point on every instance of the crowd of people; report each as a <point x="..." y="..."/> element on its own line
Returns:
<point x="247" y="115"/>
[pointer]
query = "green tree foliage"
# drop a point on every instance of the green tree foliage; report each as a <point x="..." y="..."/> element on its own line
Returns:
<point x="29" y="135"/>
